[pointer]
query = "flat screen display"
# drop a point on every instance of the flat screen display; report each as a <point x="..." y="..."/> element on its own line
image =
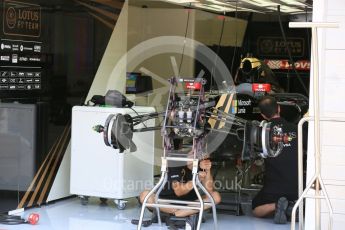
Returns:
<point x="131" y="82"/>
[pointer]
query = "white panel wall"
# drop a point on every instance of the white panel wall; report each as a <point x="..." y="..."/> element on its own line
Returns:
<point x="115" y="50"/>
<point x="60" y="188"/>
<point x="332" y="95"/>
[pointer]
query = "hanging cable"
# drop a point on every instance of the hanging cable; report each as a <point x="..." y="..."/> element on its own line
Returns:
<point x="236" y="39"/>
<point x="307" y="30"/>
<point x="218" y="50"/>
<point x="184" y="42"/>
<point x="289" y="52"/>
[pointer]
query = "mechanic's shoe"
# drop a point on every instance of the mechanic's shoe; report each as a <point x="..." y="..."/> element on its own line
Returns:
<point x="192" y="222"/>
<point x="280" y="213"/>
<point x="173" y="222"/>
<point x="164" y="216"/>
<point x="289" y="211"/>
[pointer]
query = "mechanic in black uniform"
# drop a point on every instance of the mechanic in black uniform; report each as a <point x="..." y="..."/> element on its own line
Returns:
<point x="180" y="186"/>
<point x="280" y="189"/>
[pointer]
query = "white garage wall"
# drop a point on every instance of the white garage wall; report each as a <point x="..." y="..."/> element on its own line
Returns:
<point x="332" y="94"/>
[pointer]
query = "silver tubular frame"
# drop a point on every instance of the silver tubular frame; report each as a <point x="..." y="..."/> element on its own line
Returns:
<point x="178" y="204"/>
<point x="155" y="188"/>
<point x="157" y="198"/>
<point x="304" y="194"/>
<point x="211" y="202"/>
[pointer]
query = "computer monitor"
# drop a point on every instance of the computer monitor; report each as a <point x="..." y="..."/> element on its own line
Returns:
<point x="131" y="82"/>
<point x="137" y="83"/>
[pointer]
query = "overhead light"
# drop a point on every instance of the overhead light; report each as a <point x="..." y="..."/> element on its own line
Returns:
<point x="213" y="7"/>
<point x="222" y="8"/>
<point x="286" y="9"/>
<point x="218" y="2"/>
<point x="293" y="2"/>
<point x="261" y="3"/>
<point x="182" y="1"/>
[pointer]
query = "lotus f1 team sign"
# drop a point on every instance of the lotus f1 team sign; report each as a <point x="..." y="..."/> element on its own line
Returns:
<point x="276" y="46"/>
<point x="21" y="19"/>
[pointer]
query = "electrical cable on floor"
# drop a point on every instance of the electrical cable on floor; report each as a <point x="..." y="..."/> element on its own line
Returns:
<point x="289" y="52"/>
<point x="11" y="220"/>
<point x="16" y="220"/>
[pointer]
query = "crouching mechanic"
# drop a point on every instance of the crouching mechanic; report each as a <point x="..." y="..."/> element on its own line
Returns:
<point x="180" y="187"/>
<point x="280" y="189"/>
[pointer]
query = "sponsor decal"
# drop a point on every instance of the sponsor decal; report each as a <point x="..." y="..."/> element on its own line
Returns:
<point x="26" y="48"/>
<point x="37" y="48"/>
<point x="303" y="65"/>
<point x="13" y="80"/>
<point x="242" y="104"/>
<point x="239" y="106"/>
<point x="3" y="87"/>
<point x="261" y="87"/>
<point x="276" y="46"/>
<point x="29" y="74"/>
<point x="21" y="87"/>
<point x="21" y="18"/>
<point x="5" y="58"/>
<point x="4" y="46"/>
<point x="4" y="74"/>
<point x="23" y="59"/>
<point x="13" y="74"/>
<point x="21" y="81"/>
<point x="193" y="85"/>
<point x="14" y="58"/>
<point x="3" y="80"/>
<point x="15" y="47"/>
<point x="34" y="59"/>
<point x="12" y="87"/>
